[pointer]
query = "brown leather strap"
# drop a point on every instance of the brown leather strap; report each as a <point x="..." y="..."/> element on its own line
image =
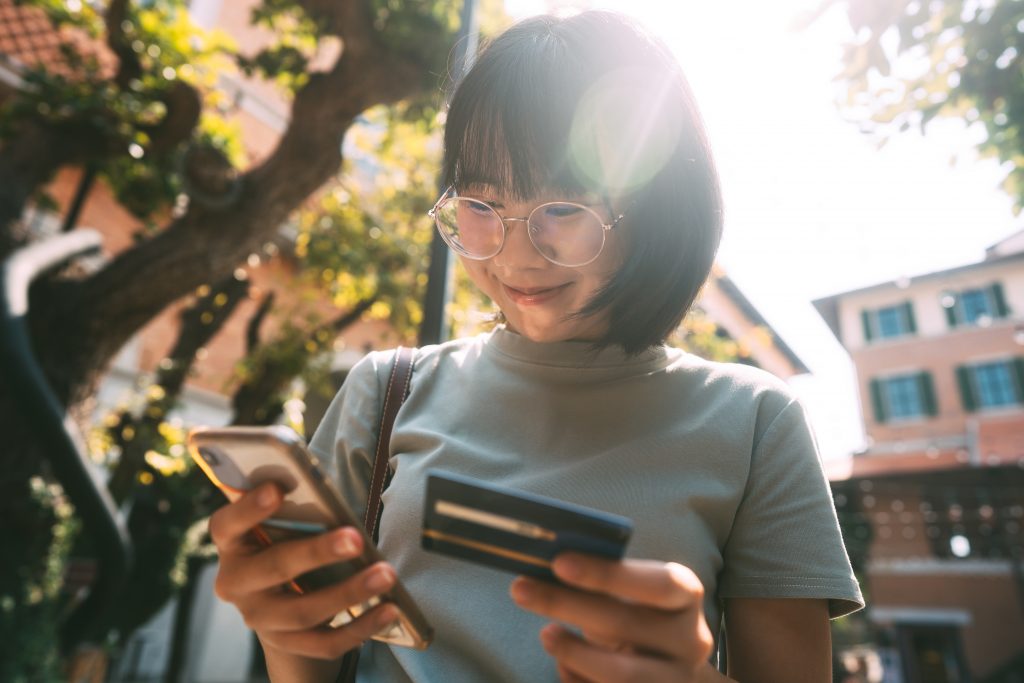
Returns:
<point x="398" y="389"/>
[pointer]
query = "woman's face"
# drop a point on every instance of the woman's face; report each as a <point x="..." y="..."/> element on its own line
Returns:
<point x="536" y="296"/>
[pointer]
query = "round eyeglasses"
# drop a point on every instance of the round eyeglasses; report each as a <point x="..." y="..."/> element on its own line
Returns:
<point x="565" y="233"/>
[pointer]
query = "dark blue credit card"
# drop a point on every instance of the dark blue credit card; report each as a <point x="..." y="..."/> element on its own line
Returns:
<point x="513" y="530"/>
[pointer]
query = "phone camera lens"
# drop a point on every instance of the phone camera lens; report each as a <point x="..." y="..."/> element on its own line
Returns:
<point x="209" y="456"/>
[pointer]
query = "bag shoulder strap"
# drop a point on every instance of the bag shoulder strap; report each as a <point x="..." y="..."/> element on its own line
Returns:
<point x="398" y="389"/>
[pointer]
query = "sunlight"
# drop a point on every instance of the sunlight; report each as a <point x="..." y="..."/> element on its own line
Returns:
<point x="812" y="206"/>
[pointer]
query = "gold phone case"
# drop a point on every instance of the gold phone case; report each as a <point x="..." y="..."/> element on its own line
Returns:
<point x="238" y="459"/>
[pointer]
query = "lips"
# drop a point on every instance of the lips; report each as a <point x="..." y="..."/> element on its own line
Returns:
<point x="528" y="296"/>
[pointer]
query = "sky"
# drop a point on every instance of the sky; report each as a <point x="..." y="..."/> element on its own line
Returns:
<point x="813" y="206"/>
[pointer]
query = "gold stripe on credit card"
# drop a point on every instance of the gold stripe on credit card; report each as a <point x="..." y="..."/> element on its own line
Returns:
<point x="486" y="547"/>
<point x="489" y="519"/>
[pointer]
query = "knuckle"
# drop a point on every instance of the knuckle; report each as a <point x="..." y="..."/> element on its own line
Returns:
<point x="222" y="587"/>
<point x="306" y="614"/>
<point x="277" y="565"/>
<point x="250" y="620"/>
<point x="705" y="640"/>
<point x="685" y="579"/>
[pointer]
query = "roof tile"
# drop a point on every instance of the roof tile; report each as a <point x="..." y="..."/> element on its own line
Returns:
<point x="27" y="37"/>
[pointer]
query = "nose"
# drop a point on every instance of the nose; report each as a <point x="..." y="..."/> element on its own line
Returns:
<point x="518" y="251"/>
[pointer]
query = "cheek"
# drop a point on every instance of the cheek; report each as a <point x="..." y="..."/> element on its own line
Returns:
<point x="477" y="271"/>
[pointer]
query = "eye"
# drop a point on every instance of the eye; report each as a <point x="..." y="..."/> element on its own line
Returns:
<point x="561" y="210"/>
<point x="479" y="207"/>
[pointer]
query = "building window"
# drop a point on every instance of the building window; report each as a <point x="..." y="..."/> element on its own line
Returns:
<point x="992" y="385"/>
<point x="888" y="322"/>
<point x="932" y="652"/>
<point x="972" y="306"/>
<point x="903" y="397"/>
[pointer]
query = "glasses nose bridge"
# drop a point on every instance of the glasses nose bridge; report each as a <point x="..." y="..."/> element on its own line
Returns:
<point x="506" y="228"/>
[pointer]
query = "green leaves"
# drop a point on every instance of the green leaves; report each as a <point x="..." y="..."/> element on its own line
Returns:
<point x="133" y="123"/>
<point x="914" y="61"/>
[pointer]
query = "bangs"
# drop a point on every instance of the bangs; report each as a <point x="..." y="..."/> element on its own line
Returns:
<point x="510" y="121"/>
<point x="573" y="106"/>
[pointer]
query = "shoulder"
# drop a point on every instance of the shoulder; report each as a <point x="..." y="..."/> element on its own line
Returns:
<point x="376" y="365"/>
<point x="733" y="385"/>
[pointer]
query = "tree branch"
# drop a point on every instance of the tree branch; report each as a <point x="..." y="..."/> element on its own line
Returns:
<point x="204" y="241"/>
<point x="252" y="330"/>
<point x="350" y="20"/>
<point x="199" y="324"/>
<point x="259" y="399"/>
<point x="128" y="68"/>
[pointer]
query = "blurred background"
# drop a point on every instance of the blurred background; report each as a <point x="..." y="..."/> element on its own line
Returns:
<point x="210" y="210"/>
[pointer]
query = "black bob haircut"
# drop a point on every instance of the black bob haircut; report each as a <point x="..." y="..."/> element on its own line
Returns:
<point x="519" y="121"/>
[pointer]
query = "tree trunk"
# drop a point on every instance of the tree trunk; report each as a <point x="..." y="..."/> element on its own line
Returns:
<point x="78" y="325"/>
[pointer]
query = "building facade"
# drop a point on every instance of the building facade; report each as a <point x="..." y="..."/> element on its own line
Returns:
<point x="934" y="504"/>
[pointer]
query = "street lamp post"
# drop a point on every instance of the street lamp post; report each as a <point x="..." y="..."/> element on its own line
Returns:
<point x="434" y="328"/>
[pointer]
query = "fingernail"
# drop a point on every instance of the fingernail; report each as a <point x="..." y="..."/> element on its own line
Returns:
<point x="266" y="497"/>
<point x="568" y="567"/>
<point x="523" y="590"/>
<point x="378" y="582"/>
<point x="343" y="544"/>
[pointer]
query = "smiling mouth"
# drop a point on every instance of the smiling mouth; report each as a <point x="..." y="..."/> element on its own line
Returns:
<point x="533" y="295"/>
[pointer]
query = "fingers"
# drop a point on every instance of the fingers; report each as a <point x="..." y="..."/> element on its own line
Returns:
<point x="283" y="562"/>
<point x="331" y="643"/>
<point x="567" y="676"/>
<point x="230" y="525"/>
<point x="606" y="619"/>
<point x="587" y="662"/>
<point x="662" y="585"/>
<point x="290" y="612"/>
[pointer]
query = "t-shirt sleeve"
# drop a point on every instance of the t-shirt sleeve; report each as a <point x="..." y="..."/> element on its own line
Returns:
<point x="785" y="540"/>
<point x="346" y="438"/>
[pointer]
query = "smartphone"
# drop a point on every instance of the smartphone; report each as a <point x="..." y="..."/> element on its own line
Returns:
<point x="238" y="459"/>
<point x="512" y="530"/>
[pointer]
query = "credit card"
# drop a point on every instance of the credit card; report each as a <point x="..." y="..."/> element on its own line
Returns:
<point x="513" y="530"/>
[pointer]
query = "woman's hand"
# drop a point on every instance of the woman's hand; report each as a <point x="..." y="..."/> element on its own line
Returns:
<point x="640" y="620"/>
<point x="253" y="578"/>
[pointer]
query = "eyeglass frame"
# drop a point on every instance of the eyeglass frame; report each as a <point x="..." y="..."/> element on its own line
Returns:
<point x="446" y="195"/>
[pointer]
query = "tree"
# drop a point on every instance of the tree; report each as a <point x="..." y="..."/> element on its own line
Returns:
<point x="149" y="130"/>
<point x="910" y="62"/>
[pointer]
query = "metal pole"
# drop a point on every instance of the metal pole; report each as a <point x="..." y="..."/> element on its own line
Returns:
<point x="434" y="328"/>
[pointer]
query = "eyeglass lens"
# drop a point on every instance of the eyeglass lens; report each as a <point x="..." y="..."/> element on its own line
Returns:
<point x="565" y="234"/>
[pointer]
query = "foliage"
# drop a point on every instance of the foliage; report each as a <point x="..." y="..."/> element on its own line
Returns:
<point x="362" y="246"/>
<point x="286" y="60"/>
<point x="128" y="122"/>
<point x="29" y="619"/>
<point x="378" y="211"/>
<point x="913" y="61"/>
<point x="700" y="335"/>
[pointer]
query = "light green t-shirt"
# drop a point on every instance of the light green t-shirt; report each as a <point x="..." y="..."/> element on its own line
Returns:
<point x="714" y="463"/>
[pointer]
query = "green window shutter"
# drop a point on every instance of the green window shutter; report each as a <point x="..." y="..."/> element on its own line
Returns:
<point x="963" y="378"/>
<point x="924" y="380"/>
<point x="908" y="313"/>
<point x="1018" y="374"/>
<point x="876" y="401"/>
<point x="1000" y="300"/>
<point x="951" y="311"/>
<point x="865" y="318"/>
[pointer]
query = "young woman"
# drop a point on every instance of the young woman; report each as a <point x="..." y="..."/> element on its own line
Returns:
<point x="584" y="202"/>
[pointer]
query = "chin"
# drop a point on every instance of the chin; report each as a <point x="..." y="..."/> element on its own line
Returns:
<point x="544" y="333"/>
